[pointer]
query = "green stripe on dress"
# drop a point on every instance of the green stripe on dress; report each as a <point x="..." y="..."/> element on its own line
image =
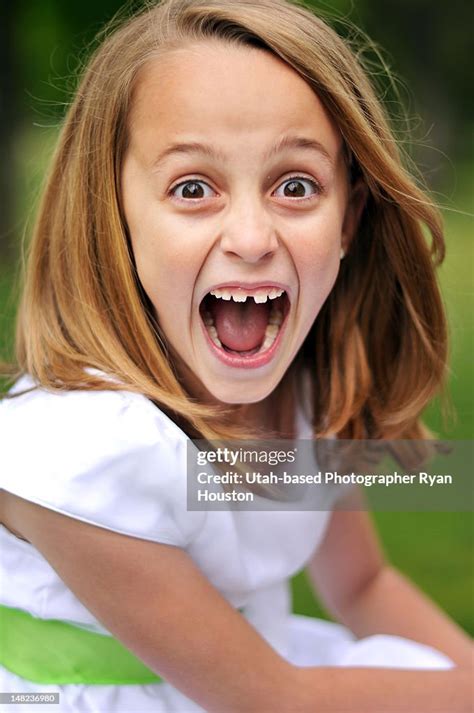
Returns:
<point x="51" y="651"/>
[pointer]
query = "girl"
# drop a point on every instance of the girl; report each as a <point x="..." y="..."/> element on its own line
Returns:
<point x="227" y="223"/>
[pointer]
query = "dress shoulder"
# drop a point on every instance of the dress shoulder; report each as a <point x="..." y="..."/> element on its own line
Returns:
<point x="110" y="458"/>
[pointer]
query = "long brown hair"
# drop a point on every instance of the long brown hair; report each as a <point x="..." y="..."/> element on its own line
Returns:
<point x="376" y="353"/>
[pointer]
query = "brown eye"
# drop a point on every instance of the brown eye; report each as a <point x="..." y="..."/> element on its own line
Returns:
<point x="298" y="188"/>
<point x="295" y="189"/>
<point x="190" y="190"/>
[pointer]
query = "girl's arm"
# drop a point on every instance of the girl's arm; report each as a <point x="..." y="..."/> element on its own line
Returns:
<point x="370" y="596"/>
<point x="156" y="601"/>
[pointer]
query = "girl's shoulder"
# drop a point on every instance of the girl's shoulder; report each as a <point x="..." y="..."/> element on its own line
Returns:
<point x="109" y="417"/>
<point x="111" y="458"/>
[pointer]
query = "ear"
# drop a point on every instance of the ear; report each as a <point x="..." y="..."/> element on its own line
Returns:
<point x="355" y="205"/>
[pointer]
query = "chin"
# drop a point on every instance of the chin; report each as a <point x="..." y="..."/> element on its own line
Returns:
<point x="242" y="393"/>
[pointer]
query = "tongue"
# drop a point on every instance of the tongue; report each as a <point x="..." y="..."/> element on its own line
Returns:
<point x="240" y="325"/>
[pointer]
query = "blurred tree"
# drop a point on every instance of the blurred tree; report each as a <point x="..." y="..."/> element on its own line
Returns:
<point x="8" y="122"/>
<point x="430" y="44"/>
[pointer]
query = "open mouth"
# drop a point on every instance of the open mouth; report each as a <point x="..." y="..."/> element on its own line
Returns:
<point x="243" y="322"/>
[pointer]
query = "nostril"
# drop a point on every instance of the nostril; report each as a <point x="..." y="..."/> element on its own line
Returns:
<point x="252" y="244"/>
<point x="250" y="255"/>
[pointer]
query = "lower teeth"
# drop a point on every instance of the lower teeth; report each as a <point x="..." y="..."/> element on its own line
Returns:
<point x="271" y="331"/>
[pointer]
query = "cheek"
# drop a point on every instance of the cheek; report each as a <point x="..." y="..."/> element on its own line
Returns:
<point x="168" y="261"/>
<point x="162" y="256"/>
<point x="162" y="274"/>
<point x="317" y="257"/>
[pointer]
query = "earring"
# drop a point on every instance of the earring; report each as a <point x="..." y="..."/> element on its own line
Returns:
<point x="342" y="254"/>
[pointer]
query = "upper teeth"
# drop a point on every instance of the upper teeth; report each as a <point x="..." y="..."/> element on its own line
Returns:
<point x="238" y="294"/>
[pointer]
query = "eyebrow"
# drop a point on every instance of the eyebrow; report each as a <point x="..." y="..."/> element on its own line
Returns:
<point x="285" y="143"/>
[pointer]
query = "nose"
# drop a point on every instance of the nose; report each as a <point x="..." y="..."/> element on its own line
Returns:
<point x="248" y="232"/>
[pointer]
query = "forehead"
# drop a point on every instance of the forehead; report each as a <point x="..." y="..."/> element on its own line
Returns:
<point x="221" y="92"/>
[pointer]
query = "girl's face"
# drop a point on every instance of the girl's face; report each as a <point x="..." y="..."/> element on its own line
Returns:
<point x="234" y="183"/>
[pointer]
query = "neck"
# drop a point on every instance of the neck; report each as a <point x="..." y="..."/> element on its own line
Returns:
<point x="275" y="413"/>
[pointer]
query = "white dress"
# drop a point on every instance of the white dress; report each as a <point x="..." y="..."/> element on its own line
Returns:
<point x="115" y="460"/>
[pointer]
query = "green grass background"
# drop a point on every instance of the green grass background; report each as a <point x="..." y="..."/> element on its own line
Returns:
<point x="433" y="549"/>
